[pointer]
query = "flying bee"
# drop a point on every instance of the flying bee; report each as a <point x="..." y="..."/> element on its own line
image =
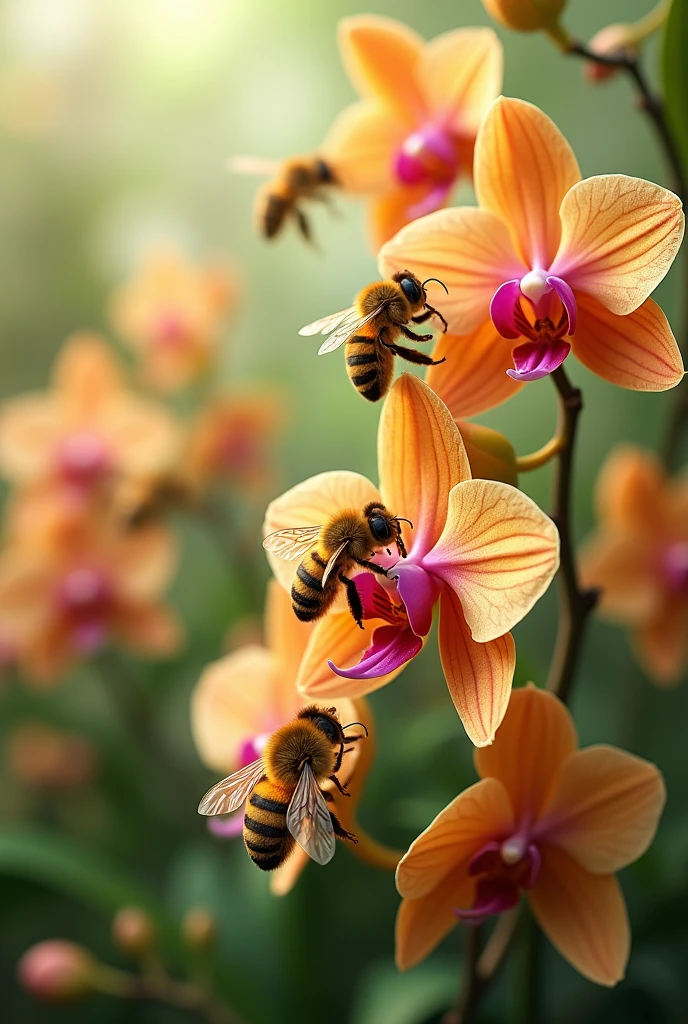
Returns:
<point x="348" y="539"/>
<point x="283" y="791"/>
<point x="140" y="502"/>
<point x="281" y="198"/>
<point x="370" y="330"/>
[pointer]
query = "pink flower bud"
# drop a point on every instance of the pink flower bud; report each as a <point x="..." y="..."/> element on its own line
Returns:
<point x="612" y="41"/>
<point x="133" y="931"/>
<point x="56" y="971"/>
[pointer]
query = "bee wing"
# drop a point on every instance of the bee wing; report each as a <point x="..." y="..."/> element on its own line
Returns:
<point x="308" y="819"/>
<point x="332" y="562"/>
<point x="327" y="323"/>
<point x="233" y="791"/>
<point x="347" y="329"/>
<point x="252" y="165"/>
<point x="293" y="543"/>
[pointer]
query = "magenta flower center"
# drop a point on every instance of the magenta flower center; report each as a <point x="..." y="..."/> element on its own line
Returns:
<point x="251" y="749"/>
<point x="427" y="157"/>
<point x="502" y="870"/>
<point x="83" y="459"/>
<point x="676" y="567"/>
<point x="85" y="599"/>
<point x="170" y="329"/>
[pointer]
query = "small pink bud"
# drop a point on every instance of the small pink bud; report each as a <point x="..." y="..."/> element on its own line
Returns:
<point x="56" y="971"/>
<point x="612" y="41"/>
<point x="133" y="931"/>
<point x="199" y="929"/>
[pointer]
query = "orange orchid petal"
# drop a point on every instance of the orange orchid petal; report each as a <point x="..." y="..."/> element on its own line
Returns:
<point x="145" y="437"/>
<point x="479" y="814"/>
<point x="338" y="638"/>
<point x="283" y="880"/>
<point x="312" y="503"/>
<point x="468" y="249"/>
<point x="479" y="676"/>
<point x="583" y="915"/>
<point x="144" y="562"/>
<point x="523" y="169"/>
<point x="150" y="630"/>
<point x="232" y="702"/>
<point x="606" y="808"/>
<point x="498" y="551"/>
<point x="636" y="351"/>
<point x="533" y="741"/>
<point x="619" y="237"/>
<point x="662" y="645"/>
<point x="360" y="147"/>
<point x="380" y="56"/>
<point x="422" y="924"/>
<point x="86" y="373"/>
<point x="473" y="378"/>
<point x="421" y="456"/>
<point x="629" y="490"/>
<point x="286" y="637"/>
<point x="626" y="574"/>
<point x="460" y="73"/>
<point x="390" y="212"/>
<point x="29" y="430"/>
<point x="26" y="584"/>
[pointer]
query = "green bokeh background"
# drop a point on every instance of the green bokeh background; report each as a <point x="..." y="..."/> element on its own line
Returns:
<point x="154" y="96"/>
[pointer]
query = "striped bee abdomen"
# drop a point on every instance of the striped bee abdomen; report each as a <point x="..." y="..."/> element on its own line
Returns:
<point x="266" y="836"/>
<point x="369" y="365"/>
<point x="308" y="598"/>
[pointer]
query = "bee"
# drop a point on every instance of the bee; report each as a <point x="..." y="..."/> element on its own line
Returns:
<point x="292" y="182"/>
<point x="138" y="503"/>
<point x="348" y="539"/>
<point x="285" y="802"/>
<point x="370" y="330"/>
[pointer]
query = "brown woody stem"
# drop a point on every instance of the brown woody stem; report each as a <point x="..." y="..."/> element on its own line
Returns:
<point x="161" y="988"/>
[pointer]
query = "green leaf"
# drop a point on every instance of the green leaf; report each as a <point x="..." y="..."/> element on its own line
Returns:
<point x="41" y="856"/>
<point x="675" y="74"/>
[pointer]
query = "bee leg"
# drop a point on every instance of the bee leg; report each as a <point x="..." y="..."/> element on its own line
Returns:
<point x="401" y="547"/>
<point x="304" y="226"/>
<point x="333" y="778"/>
<point x="422" y="317"/>
<point x="354" y="599"/>
<point x="415" y="337"/>
<point x="340" y="832"/>
<point x="371" y="565"/>
<point x="437" y="313"/>
<point x="411" y="356"/>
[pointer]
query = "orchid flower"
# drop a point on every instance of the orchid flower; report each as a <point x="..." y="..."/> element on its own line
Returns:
<point x="411" y="137"/>
<point x="547" y="820"/>
<point x="482" y="549"/>
<point x="638" y="556"/>
<point x="546" y="264"/>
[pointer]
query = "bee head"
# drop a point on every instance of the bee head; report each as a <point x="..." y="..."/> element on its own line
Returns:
<point x="323" y="172"/>
<point x="381" y="523"/>
<point x="411" y="287"/>
<point x="325" y="720"/>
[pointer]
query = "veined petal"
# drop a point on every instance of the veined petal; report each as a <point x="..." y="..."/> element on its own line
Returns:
<point x="423" y="923"/>
<point x="380" y="56"/>
<point x="636" y="351"/>
<point x="498" y="552"/>
<point x="479" y="676"/>
<point x="421" y="456"/>
<point x="361" y="145"/>
<point x="478" y="815"/>
<point x="312" y="503"/>
<point x="605" y="809"/>
<point x="584" y="916"/>
<point x="460" y="74"/>
<point x="619" y="237"/>
<point x="473" y="377"/>
<point x="468" y="249"/>
<point x="523" y="169"/>
<point x="662" y="644"/>
<point x="534" y="740"/>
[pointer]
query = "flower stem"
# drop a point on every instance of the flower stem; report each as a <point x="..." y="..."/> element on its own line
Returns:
<point x="575" y="604"/>
<point x="482" y="966"/>
<point x="539" y="458"/>
<point x="163" y="989"/>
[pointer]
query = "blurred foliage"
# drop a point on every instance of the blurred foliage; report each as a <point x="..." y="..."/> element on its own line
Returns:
<point x="675" y="72"/>
<point x="116" y="119"/>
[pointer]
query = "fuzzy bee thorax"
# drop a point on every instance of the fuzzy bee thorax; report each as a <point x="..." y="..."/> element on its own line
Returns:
<point x="290" y="746"/>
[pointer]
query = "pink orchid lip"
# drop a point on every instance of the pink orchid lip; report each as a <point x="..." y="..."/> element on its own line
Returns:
<point x="537" y="359"/>
<point x="675" y="565"/>
<point x="169" y="329"/>
<point x="84" y="589"/>
<point x="427" y="156"/>
<point x="83" y="458"/>
<point x="503" y="869"/>
<point x="419" y="592"/>
<point x="227" y="826"/>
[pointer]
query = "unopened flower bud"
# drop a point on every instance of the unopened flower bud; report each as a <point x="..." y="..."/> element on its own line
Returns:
<point x="199" y="928"/>
<point x="490" y="454"/>
<point x="56" y="971"/>
<point x="612" y="41"/>
<point x="133" y="931"/>
<point x="526" y="15"/>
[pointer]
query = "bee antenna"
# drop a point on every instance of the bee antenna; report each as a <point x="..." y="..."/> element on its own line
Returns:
<point x="400" y="519"/>
<point x="437" y="280"/>
<point x="356" y="723"/>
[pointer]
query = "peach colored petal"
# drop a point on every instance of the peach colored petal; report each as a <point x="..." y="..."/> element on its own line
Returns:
<point x="144" y="436"/>
<point x="460" y="74"/>
<point x="477" y="815"/>
<point x="629" y="490"/>
<point x="287" y="638"/>
<point x="26" y="585"/>
<point x="86" y="373"/>
<point x="150" y="630"/>
<point x="144" y="562"/>
<point x="423" y="923"/>
<point x="312" y="503"/>
<point x="606" y="808"/>
<point x="479" y="676"/>
<point x="390" y="212"/>
<point x="662" y="645"/>
<point x="619" y="237"/>
<point x="468" y="249"/>
<point x="636" y="351"/>
<point x="583" y="915"/>
<point x="380" y="56"/>
<point x="421" y="456"/>
<point x="523" y="169"/>
<point x="498" y="552"/>
<point x="29" y="433"/>
<point x="285" y="877"/>
<point x="232" y="702"/>
<point x="338" y="638"/>
<point x="625" y="571"/>
<point x="533" y="741"/>
<point x="360" y="148"/>
<point x="473" y="378"/>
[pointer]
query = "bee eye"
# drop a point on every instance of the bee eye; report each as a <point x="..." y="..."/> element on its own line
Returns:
<point x="327" y="726"/>
<point x="379" y="528"/>
<point x="322" y="170"/>
<point x="410" y="289"/>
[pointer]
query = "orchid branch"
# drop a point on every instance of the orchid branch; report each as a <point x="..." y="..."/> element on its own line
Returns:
<point x="160" y="987"/>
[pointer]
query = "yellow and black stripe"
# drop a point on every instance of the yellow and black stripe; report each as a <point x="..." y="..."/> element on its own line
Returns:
<point x="266" y="836"/>
<point x="369" y="366"/>
<point x="308" y="598"/>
